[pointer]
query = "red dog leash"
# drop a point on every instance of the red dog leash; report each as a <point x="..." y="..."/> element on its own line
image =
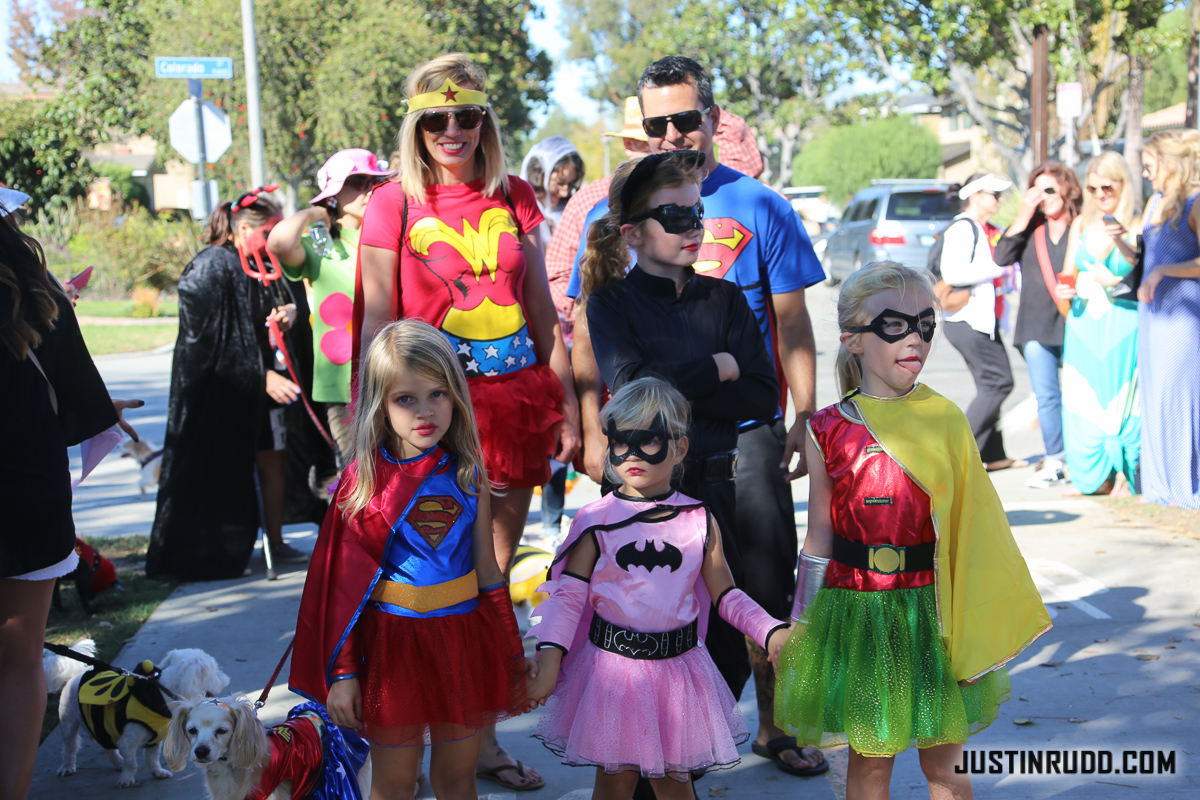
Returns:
<point x="262" y="698"/>
<point x="281" y="347"/>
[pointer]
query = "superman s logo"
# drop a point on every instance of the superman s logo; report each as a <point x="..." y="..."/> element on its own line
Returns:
<point x="724" y="240"/>
<point x="434" y="516"/>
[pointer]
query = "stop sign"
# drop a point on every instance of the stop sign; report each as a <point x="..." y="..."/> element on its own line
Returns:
<point x="218" y="134"/>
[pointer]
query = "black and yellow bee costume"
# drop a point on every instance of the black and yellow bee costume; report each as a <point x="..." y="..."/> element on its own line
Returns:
<point x="109" y="701"/>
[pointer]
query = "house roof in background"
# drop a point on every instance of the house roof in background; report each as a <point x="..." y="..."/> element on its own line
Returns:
<point x="1169" y="117"/>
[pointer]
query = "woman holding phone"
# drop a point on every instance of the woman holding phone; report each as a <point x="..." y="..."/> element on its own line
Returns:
<point x="1101" y="426"/>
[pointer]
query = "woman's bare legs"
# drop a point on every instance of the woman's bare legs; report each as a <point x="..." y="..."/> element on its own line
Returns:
<point x="509" y="512"/>
<point x="24" y="606"/>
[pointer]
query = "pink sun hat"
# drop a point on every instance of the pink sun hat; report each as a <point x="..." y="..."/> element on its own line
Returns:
<point x="340" y="166"/>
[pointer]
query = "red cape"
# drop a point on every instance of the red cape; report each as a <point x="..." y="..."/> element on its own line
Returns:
<point x="344" y="567"/>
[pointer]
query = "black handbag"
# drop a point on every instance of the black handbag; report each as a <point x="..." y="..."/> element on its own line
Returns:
<point x="1127" y="288"/>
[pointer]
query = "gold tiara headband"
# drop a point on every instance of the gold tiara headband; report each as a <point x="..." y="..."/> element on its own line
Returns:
<point x="451" y="94"/>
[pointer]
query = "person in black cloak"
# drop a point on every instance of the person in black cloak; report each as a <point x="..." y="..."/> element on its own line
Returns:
<point x="234" y="409"/>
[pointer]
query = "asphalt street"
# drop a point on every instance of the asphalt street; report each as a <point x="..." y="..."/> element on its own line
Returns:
<point x="1119" y="674"/>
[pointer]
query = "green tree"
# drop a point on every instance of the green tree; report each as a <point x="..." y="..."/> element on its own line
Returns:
<point x="847" y="158"/>
<point x="40" y="153"/>
<point x="982" y="52"/>
<point x="773" y="61"/>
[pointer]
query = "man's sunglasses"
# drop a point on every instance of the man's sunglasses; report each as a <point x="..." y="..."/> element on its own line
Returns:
<point x="468" y="119"/>
<point x="684" y="122"/>
<point x="675" y="218"/>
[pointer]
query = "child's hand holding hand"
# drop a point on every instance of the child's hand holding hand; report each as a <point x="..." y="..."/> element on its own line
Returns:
<point x="345" y="703"/>
<point x="542" y="677"/>
<point x="776" y="642"/>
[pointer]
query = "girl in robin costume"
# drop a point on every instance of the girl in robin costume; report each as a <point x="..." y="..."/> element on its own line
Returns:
<point x="405" y="627"/>
<point x="912" y="594"/>
<point x="639" y="694"/>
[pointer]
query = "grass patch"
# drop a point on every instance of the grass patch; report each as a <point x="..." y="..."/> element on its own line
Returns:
<point x="106" y="339"/>
<point x="1185" y="521"/>
<point x="119" y="308"/>
<point x="118" y="615"/>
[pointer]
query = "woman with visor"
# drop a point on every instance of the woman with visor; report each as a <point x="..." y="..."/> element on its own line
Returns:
<point x="454" y="241"/>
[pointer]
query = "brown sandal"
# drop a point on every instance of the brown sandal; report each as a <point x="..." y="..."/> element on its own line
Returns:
<point x="493" y="774"/>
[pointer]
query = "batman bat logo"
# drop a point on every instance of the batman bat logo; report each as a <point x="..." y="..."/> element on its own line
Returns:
<point x="651" y="557"/>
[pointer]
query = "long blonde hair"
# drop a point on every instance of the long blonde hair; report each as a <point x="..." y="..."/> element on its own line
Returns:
<point x="415" y="171"/>
<point x="1177" y="152"/>
<point x="1111" y="166"/>
<point x="606" y="258"/>
<point x="860" y="287"/>
<point x="635" y="406"/>
<point x="410" y="345"/>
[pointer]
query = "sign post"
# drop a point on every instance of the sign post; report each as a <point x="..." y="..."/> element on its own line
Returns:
<point x="193" y="69"/>
<point x="1068" y="101"/>
<point x="258" y="172"/>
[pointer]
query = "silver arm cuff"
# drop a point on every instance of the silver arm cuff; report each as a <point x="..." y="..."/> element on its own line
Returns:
<point x="810" y="579"/>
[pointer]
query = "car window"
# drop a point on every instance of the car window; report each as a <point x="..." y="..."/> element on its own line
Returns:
<point x="926" y="205"/>
<point x="863" y="209"/>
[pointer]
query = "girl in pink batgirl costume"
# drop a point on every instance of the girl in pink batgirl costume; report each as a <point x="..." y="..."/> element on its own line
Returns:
<point x="405" y="627"/>
<point x="912" y="594"/>
<point x="638" y="692"/>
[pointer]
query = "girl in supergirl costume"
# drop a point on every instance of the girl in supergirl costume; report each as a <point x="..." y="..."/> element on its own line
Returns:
<point x="912" y="594"/>
<point x="638" y="692"/>
<point x="405" y="627"/>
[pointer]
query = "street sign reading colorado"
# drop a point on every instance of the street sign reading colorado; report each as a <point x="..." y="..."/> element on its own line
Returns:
<point x="213" y="67"/>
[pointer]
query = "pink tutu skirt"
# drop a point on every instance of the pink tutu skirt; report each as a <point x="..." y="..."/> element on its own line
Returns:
<point x="665" y="718"/>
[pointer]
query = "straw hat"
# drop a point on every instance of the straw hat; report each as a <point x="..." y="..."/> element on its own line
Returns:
<point x="633" y="122"/>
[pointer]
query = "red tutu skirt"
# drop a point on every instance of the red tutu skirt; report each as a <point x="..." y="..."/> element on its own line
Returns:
<point x="439" y="679"/>
<point x="518" y="415"/>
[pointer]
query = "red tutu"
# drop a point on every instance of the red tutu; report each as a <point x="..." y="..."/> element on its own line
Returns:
<point x="518" y="415"/>
<point x="440" y="679"/>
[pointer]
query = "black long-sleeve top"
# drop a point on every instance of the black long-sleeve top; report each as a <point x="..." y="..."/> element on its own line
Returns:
<point x="640" y="327"/>
<point x="1038" y="319"/>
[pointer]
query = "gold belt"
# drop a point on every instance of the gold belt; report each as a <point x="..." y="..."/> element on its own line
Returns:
<point x="424" y="599"/>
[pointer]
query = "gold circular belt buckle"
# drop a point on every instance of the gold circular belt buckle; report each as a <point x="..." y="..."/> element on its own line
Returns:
<point x="886" y="559"/>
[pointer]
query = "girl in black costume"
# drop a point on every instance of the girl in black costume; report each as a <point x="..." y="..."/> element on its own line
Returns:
<point x="232" y="409"/>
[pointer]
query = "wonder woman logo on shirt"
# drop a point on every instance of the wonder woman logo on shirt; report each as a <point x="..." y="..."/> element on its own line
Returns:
<point x="724" y="240"/>
<point x="479" y="247"/>
<point x="433" y="517"/>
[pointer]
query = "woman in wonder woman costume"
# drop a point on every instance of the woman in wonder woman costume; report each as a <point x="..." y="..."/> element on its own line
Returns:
<point x="405" y="627"/>
<point x="454" y="242"/>
<point x="912" y="594"/>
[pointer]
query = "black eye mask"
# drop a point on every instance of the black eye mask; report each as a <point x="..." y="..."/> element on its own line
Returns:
<point x="878" y="325"/>
<point x="634" y="439"/>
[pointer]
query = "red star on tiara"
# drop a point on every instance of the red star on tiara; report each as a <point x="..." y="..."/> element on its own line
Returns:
<point x="451" y="95"/>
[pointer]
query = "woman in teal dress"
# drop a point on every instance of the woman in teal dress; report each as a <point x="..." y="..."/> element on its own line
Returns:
<point x="1101" y="423"/>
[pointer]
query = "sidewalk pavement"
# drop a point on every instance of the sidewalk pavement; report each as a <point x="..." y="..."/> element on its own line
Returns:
<point x="1119" y="671"/>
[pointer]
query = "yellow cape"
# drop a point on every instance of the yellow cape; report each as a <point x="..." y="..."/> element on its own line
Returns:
<point x="988" y="608"/>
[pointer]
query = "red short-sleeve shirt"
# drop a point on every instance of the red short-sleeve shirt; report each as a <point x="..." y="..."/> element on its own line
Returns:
<point x="462" y="267"/>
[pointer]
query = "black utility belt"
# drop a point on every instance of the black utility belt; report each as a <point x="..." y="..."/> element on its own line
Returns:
<point x="643" y="646"/>
<point x="886" y="559"/>
<point x="713" y="468"/>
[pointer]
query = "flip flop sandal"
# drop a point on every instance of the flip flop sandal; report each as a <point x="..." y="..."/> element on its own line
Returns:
<point x="779" y="744"/>
<point x="494" y="775"/>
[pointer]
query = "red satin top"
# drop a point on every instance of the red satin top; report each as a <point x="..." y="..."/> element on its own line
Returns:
<point x="296" y="755"/>
<point x="874" y="501"/>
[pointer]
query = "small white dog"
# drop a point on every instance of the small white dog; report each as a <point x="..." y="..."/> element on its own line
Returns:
<point x="188" y="674"/>
<point x="225" y="739"/>
<point x="150" y="459"/>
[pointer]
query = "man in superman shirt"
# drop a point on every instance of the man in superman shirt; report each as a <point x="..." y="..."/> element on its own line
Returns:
<point x="754" y="239"/>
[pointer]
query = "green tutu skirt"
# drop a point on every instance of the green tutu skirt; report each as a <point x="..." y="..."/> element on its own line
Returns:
<point x="869" y="669"/>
